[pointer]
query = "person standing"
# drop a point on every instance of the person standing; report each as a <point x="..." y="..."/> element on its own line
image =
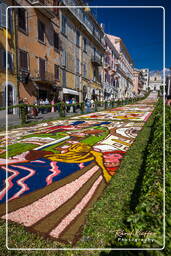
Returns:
<point x="71" y="107"/>
<point x="67" y="107"/>
<point x="46" y="103"/>
<point x="21" y="101"/>
<point x="88" y="105"/>
<point x="59" y="103"/>
<point x="92" y="103"/>
<point x="74" y="106"/>
<point x="52" y="103"/>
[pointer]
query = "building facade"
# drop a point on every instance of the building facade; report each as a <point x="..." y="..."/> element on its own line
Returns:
<point x="109" y="75"/>
<point x="168" y="85"/>
<point x="145" y="75"/>
<point x="155" y="81"/>
<point x="138" y="81"/>
<point x="82" y="52"/>
<point x="9" y="88"/>
<point x="124" y="68"/>
<point x="38" y="50"/>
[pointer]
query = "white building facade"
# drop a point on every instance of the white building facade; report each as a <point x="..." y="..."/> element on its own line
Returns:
<point x="155" y="81"/>
<point x="145" y="75"/>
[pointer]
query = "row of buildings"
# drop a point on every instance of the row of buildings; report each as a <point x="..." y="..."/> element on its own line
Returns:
<point x="62" y="52"/>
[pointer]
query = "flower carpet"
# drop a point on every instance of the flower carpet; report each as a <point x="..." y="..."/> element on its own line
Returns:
<point x="57" y="170"/>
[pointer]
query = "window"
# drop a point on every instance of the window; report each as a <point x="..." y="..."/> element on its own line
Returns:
<point x="77" y="65"/>
<point x="105" y="77"/>
<point x="64" y="31"/>
<point x="10" y="23"/>
<point x="64" y="78"/>
<point x="78" y="38"/>
<point x="64" y="58"/>
<point x="56" y="72"/>
<point x="3" y="14"/>
<point x="41" y="31"/>
<point x="3" y="60"/>
<point x="23" y="59"/>
<point x="77" y="82"/>
<point x="42" y="68"/>
<point x="84" y="70"/>
<point x="22" y="19"/>
<point x="85" y="45"/>
<point x="56" y="40"/>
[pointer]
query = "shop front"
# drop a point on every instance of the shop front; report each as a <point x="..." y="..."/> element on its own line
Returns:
<point x="69" y="94"/>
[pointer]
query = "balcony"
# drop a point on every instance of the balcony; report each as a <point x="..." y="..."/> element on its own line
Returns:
<point x="108" y="51"/>
<point x="96" y="61"/>
<point x="106" y="66"/>
<point x="97" y="78"/>
<point x="44" y="77"/>
<point x="48" y="12"/>
<point x="83" y="18"/>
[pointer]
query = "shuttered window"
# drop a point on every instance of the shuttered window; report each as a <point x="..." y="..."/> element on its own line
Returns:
<point x="78" y="38"/>
<point x="64" y="23"/>
<point x="84" y="70"/>
<point x="3" y="60"/>
<point x="41" y="31"/>
<point x="23" y="59"/>
<point x="3" y="14"/>
<point x="42" y="68"/>
<point x="77" y="66"/>
<point x="64" y="58"/>
<point x="64" y="78"/>
<point x="85" y="45"/>
<point x="56" y="40"/>
<point x="56" y="72"/>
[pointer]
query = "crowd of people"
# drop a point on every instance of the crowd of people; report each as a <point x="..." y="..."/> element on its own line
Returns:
<point x="52" y="106"/>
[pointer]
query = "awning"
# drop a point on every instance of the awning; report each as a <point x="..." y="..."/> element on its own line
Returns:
<point x="69" y="91"/>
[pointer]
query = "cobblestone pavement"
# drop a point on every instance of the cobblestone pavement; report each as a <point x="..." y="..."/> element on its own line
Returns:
<point x="58" y="169"/>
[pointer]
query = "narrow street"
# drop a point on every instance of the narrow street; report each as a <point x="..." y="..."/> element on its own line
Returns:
<point x="57" y="170"/>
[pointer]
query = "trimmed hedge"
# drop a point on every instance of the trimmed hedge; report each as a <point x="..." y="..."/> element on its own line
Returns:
<point x="148" y="213"/>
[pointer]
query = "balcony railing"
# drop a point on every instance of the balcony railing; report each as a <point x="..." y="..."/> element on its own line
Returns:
<point x="108" y="51"/>
<point x="48" y="12"/>
<point x="47" y="77"/>
<point x="97" y="79"/>
<point x="96" y="61"/>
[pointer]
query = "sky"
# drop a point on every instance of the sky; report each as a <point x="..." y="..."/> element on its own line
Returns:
<point x="140" y="28"/>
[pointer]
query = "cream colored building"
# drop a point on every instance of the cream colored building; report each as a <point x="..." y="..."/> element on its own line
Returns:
<point x="155" y="81"/>
<point x="82" y="52"/>
<point x="124" y="68"/>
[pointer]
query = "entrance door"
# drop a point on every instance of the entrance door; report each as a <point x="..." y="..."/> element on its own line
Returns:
<point x="43" y="94"/>
<point x="9" y="98"/>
